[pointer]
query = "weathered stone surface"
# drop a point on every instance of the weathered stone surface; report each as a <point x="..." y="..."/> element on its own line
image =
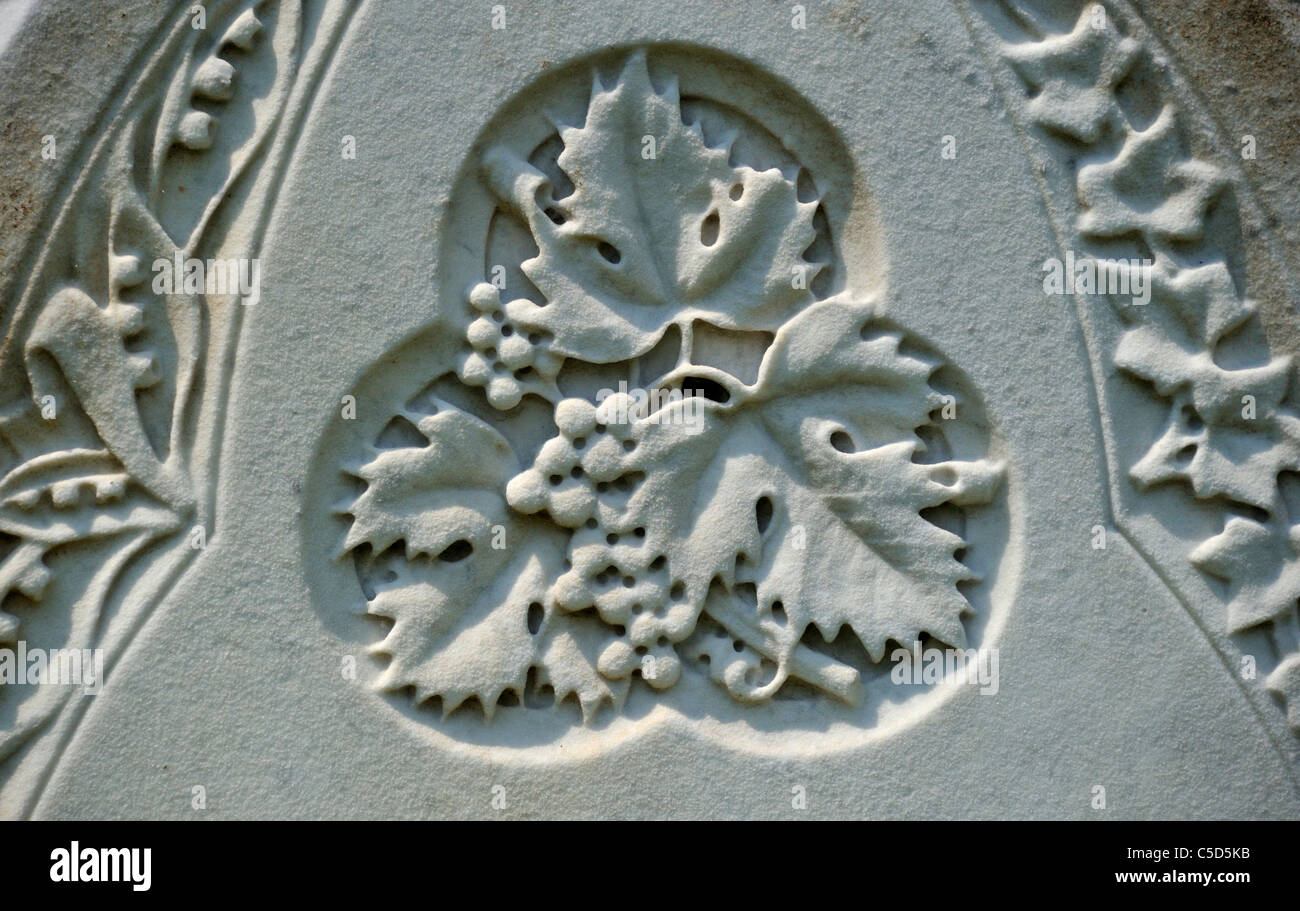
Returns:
<point x="578" y="409"/>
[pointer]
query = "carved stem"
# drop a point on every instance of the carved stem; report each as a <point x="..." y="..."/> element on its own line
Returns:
<point x="822" y="671"/>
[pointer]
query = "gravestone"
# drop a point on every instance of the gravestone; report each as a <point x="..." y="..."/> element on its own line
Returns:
<point x="588" y="409"/>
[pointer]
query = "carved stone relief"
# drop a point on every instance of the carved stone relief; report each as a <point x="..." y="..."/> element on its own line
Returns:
<point x="115" y="381"/>
<point x="673" y="443"/>
<point x="1129" y="177"/>
<point x="672" y="434"/>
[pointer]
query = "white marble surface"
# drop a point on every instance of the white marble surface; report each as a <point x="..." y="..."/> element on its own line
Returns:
<point x="349" y="548"/>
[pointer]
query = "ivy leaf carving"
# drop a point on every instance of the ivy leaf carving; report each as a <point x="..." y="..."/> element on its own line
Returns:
<point x="660" y="228"/>
<point x="1258" y="561"/>
<point x="1285" y="683"/>
<point x="1148" y="187"/>
<point x="1228" y="433"/>
<point x="1195" y="307"/>
<point x="1075" y="75"/>
<point x="1215" y="392"/>
<point x="1239" y="460"/>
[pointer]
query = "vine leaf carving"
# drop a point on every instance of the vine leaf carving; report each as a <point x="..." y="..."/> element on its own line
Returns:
<point x="660" y="228"/>
<point x="654" y="526"/>
<point x="567" y="657"/>
<point x="824" y="529"/>
<point x="846" y="417"/>
<point x="466" y="636"/>
<point x="435" y="495"/>
<point x="465" y="620"/>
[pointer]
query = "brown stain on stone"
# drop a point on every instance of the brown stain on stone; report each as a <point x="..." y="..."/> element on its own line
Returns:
<point x="20" y="205"/>
<point x="851" y="17"/>
<point x="1243" y="59"/>
<point x="56" y="77"/>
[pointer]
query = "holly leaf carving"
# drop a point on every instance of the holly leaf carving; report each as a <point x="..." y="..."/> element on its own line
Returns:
<point x="660" y="228"/>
